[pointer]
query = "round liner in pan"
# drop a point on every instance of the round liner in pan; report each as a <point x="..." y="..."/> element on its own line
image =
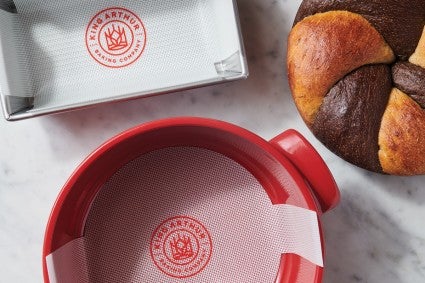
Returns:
<point x="188" y="200"/>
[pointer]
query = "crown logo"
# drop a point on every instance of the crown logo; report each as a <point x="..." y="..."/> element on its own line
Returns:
<point x="116" y="38"/>
<point x="181" y="248"/>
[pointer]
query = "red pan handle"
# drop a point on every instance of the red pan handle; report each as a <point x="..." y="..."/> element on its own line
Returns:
<point x="311" y="166"/>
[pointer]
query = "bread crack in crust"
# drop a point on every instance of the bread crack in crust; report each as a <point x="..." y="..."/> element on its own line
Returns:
<point x="357" y="74"/>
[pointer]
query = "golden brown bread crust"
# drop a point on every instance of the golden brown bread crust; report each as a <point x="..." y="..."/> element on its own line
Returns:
<point x="323" y="48"/>
<point x="402" y="150"/>
<point x="418" y="58"/>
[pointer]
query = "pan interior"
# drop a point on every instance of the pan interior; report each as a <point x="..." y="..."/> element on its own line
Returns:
<point x="64" y="54"/>
<point x="132" y="232"/>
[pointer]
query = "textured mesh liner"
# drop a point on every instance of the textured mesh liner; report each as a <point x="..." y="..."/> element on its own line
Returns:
<point x="247" y="237"/>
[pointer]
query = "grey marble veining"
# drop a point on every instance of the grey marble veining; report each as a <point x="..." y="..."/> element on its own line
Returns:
<point x="377" y="233"/>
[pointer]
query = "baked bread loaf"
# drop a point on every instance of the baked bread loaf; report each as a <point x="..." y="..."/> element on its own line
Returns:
<point x="356" y="70"/>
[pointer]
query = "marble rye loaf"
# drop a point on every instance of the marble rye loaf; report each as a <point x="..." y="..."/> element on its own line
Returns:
<point x="357" y="74"/>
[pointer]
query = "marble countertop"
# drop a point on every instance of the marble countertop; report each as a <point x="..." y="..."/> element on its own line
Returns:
<point x="377" y="233"/>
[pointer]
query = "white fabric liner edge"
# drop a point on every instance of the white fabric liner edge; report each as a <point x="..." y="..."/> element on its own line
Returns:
<point x="304" y="224"/>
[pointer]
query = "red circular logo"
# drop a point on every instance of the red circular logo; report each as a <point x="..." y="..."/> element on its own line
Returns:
<point x="181" y="247"/>
<point x="115" y="37"/>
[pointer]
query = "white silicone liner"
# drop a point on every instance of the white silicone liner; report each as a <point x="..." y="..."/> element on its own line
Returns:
<point x="43" y="52"/>
<point x="248" y="234"/>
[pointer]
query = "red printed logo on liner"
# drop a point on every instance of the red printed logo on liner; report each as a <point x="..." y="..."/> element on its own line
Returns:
<point x="181" y="247"/>
<point x="116" y="37"/>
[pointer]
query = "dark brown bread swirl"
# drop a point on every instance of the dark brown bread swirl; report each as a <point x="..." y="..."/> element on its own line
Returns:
<point x="350" y="115"/>
<point x="357" y="74"/>
<point x="410" y="78"/>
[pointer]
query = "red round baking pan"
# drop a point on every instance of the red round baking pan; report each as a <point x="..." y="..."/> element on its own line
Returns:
<point x="192" y="200"/>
